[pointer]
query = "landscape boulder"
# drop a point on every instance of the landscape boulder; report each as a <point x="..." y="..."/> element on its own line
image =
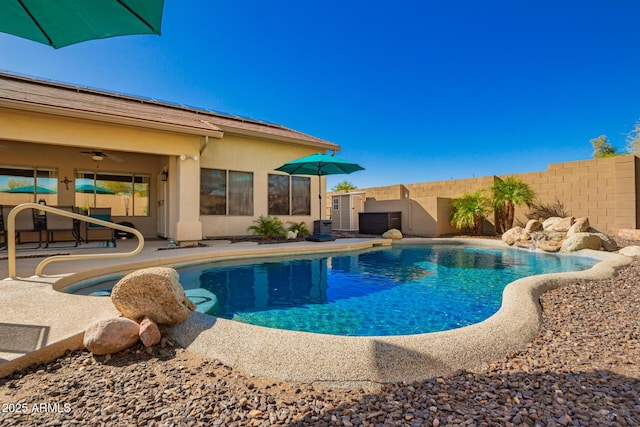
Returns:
<point x="630" y="251"/>
<point x="149" y="332"/>
<point x="609" y="244"/>
<point x="579" y="241"/>
<point x="514" y="235"/>
<point x="547" y="235"/>
<point x="533" y="226"/>
<point x="549" y="245"/>
<point x="393" y="234"/>
<point x="111" y="335"/>
<point x="155" y="293"/>
<point x="549" y="222"/>
<point x="563" y="225"/>
<point x="581" y="225"/>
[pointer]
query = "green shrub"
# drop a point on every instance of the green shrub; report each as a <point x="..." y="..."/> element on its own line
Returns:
<point x="268" y="227"/>
<point x="300" y="227"/>
<point x="469" y="210"/>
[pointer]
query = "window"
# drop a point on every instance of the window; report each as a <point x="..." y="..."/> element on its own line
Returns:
<point x="289" y="195"/>
<point x="278" y="193"/>
<point x="125" y="194"/>
<point x="336" y="204"/>
<point x="300" y="195"/>
<point x="24" y="185"/>
<point x="226" y="192"/>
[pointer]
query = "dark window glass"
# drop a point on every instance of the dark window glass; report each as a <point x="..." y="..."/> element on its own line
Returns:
<point x="278" y="195"/>
<point x="213" y="192"/>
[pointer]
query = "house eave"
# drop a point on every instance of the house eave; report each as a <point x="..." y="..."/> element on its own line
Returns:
<point x="110" y="118"/>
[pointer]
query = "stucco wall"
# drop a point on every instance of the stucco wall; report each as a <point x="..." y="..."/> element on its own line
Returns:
<point x="241" y="153"/>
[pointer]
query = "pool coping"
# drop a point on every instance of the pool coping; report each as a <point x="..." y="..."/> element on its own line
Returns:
<point x="350" y="362"/>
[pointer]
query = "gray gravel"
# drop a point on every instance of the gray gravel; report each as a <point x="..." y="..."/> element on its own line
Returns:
<point x="582" y="370"/>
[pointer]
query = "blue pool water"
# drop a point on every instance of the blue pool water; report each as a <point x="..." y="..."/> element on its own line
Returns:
<point x="406" y="289"/>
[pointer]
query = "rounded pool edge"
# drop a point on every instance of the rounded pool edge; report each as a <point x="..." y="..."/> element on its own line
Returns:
<point x="354" y="362"/>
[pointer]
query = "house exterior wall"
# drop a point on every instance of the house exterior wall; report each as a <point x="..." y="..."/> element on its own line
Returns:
<point x="46" y="140"/>
<point x="246" y="154"/>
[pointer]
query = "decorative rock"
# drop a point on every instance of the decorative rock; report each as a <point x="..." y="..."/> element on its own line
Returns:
<point x="608" y="243"/>
<point x="563" y="225"/>
<point x="549" y="245"/>
<point x="580" y="226"/>
<point x="629" y="233"/>
<point x="532" y="226"/>
<point x="149" y="332"/>
<point x="111" y="335"/>
<point x="630" y="251"/>
<point x="549" y="222"/>
<point x="525" y="244"/>
<point x="580" y="241"/>
<point x="514" y="235"/>
<point x="153" y="292"/>
<point x="393" y="234"/>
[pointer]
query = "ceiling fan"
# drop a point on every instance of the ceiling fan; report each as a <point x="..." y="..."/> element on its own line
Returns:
<point x="99" y="156"/>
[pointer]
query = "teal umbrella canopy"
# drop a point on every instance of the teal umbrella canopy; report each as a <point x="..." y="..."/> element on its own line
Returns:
<point x="29" y="189"/>
<point x="88" y="188"/>
<point x="319" y="164"/>
<point x="59" y="23"/>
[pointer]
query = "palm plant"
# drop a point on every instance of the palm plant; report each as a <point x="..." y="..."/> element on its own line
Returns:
<point x="268" y="227"/>
<point x="300" y="227"/>
<point x="469" y="210"/>
<point x="507" y="194"/>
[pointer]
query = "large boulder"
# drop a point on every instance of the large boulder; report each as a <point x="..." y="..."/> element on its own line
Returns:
<point x="514" y="235"/>
<point x="549" y="245"/>
<point x="581" y="225"/>
<point x="111" y="335"/>
<point x="609" y="244"/>
<point x="630" y="251"/>
<point x="533" y="226"/>
<point x="549" y="222"/>
<point x="580" y="241"/>
<point x="393" y="234"/>
<point x="563" y="225"/>
<point x="155" y="293"/>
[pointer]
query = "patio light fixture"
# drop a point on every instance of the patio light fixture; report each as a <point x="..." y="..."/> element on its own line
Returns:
<point x="164" y="175"/>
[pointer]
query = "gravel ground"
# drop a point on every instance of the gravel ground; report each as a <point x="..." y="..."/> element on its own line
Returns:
<point x="582" y="370"/>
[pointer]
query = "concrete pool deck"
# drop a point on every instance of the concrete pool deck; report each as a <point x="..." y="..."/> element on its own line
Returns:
<point x="38" y="323"/>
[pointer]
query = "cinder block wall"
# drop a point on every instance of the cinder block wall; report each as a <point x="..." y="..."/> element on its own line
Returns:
<point x="604" y="190"/>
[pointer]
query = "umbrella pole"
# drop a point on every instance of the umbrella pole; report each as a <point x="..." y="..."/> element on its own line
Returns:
<point x="320" y="195"/>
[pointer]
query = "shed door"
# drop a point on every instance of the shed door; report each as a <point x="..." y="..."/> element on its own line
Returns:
<point x="357" y="206"/>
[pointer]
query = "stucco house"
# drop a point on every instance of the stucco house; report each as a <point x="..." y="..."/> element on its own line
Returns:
<point x="170" y="170"/>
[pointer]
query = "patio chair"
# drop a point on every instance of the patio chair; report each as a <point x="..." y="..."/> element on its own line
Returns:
<point x="24" y="223"/>
<point x="97" y="233"/>
<point x="62" y="227"/>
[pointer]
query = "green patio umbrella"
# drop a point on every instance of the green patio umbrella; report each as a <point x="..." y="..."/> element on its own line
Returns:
<point x="29" y="189"/>
<point x="59" y="23"/>
<point x="319" y="164"/>
<point x="88" y="188"/>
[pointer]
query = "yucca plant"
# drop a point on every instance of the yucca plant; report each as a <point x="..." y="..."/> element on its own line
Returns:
<point x="469" y="210"/>
<point x="300" y="227"/>
<point x="268" y="227"/>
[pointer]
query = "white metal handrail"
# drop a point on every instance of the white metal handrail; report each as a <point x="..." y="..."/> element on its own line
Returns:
<point x="11" y="238"/>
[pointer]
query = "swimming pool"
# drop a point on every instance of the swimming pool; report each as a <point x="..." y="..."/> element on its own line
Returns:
<point x="401" y="290"/>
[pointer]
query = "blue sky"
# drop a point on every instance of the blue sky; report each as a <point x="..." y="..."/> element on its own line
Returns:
<point x="413" y="91"/>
